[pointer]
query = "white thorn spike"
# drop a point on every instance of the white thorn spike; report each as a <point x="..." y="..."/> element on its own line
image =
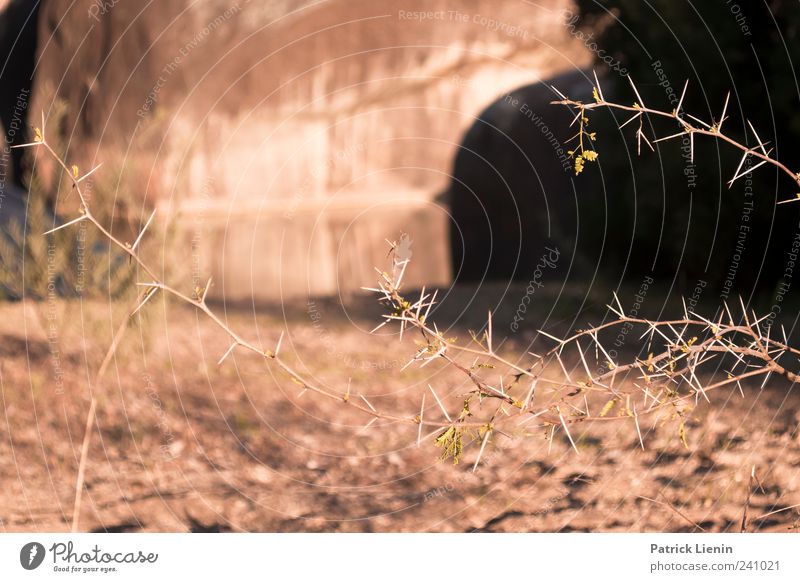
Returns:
<point x="89" y="173"/>
<point x="205" y="291"/>
<point x="724" y="110"/>
<point x="639" y="97"/>
<point x="480" y="453"/>
<point x="439" y="402"/>
<point x="141" y="234"/>
<point x="566" y="430"/>
<point x="559" y="93"/>
<point x="148" y="294"/>
<point x="597" y="84"/>
<point x="683" y="94"/>
<point x="70" y="223"/>
<point x="635" y="116"/>
<point x="227" y="353"/>
<point x="367" y="402"/>
<point x="758" y="139"/>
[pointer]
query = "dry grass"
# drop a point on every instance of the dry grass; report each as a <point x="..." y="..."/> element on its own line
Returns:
<point x="556" y="395"/>
<point x="182" y="444"/>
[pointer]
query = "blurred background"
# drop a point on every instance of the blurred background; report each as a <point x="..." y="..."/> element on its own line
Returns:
<point x="282" y="143"/>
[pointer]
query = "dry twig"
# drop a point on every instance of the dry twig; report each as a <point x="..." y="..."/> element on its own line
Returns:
<point x="688" y="125"/>
<point x="667" y="384"/>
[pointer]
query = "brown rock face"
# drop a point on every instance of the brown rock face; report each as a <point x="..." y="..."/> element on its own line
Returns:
<point x="291" y="138"/>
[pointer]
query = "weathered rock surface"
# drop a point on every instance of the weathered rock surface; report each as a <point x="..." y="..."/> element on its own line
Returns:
<point x="291" y="139"/>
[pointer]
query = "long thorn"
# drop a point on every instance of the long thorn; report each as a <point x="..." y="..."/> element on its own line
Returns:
<point x="439" y="402"/>
<point x="483" y="446"/>
<point x="227" y="353"/>
<point x="566" y="430"/>
<point x="141" y="234"/>
<point x="65" y="225"/>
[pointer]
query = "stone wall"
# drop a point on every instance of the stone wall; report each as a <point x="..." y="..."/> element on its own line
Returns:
<point x="289" y="139"/>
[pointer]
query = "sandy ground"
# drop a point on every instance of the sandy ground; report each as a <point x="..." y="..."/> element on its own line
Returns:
<point x="185" y="445"/>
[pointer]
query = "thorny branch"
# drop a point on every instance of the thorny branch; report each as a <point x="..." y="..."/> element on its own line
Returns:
<point x="689" y="125"/>
<point x="552" y="389"/>
<point x="666" y="381"/>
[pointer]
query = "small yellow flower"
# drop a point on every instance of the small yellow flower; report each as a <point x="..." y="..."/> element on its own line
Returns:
<point x="579" y="164"/>
<point x="37" y="134"/>
<point x="74" y="171"/>
<point x="595" y="95"/>
<point x="590" y="155"/>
